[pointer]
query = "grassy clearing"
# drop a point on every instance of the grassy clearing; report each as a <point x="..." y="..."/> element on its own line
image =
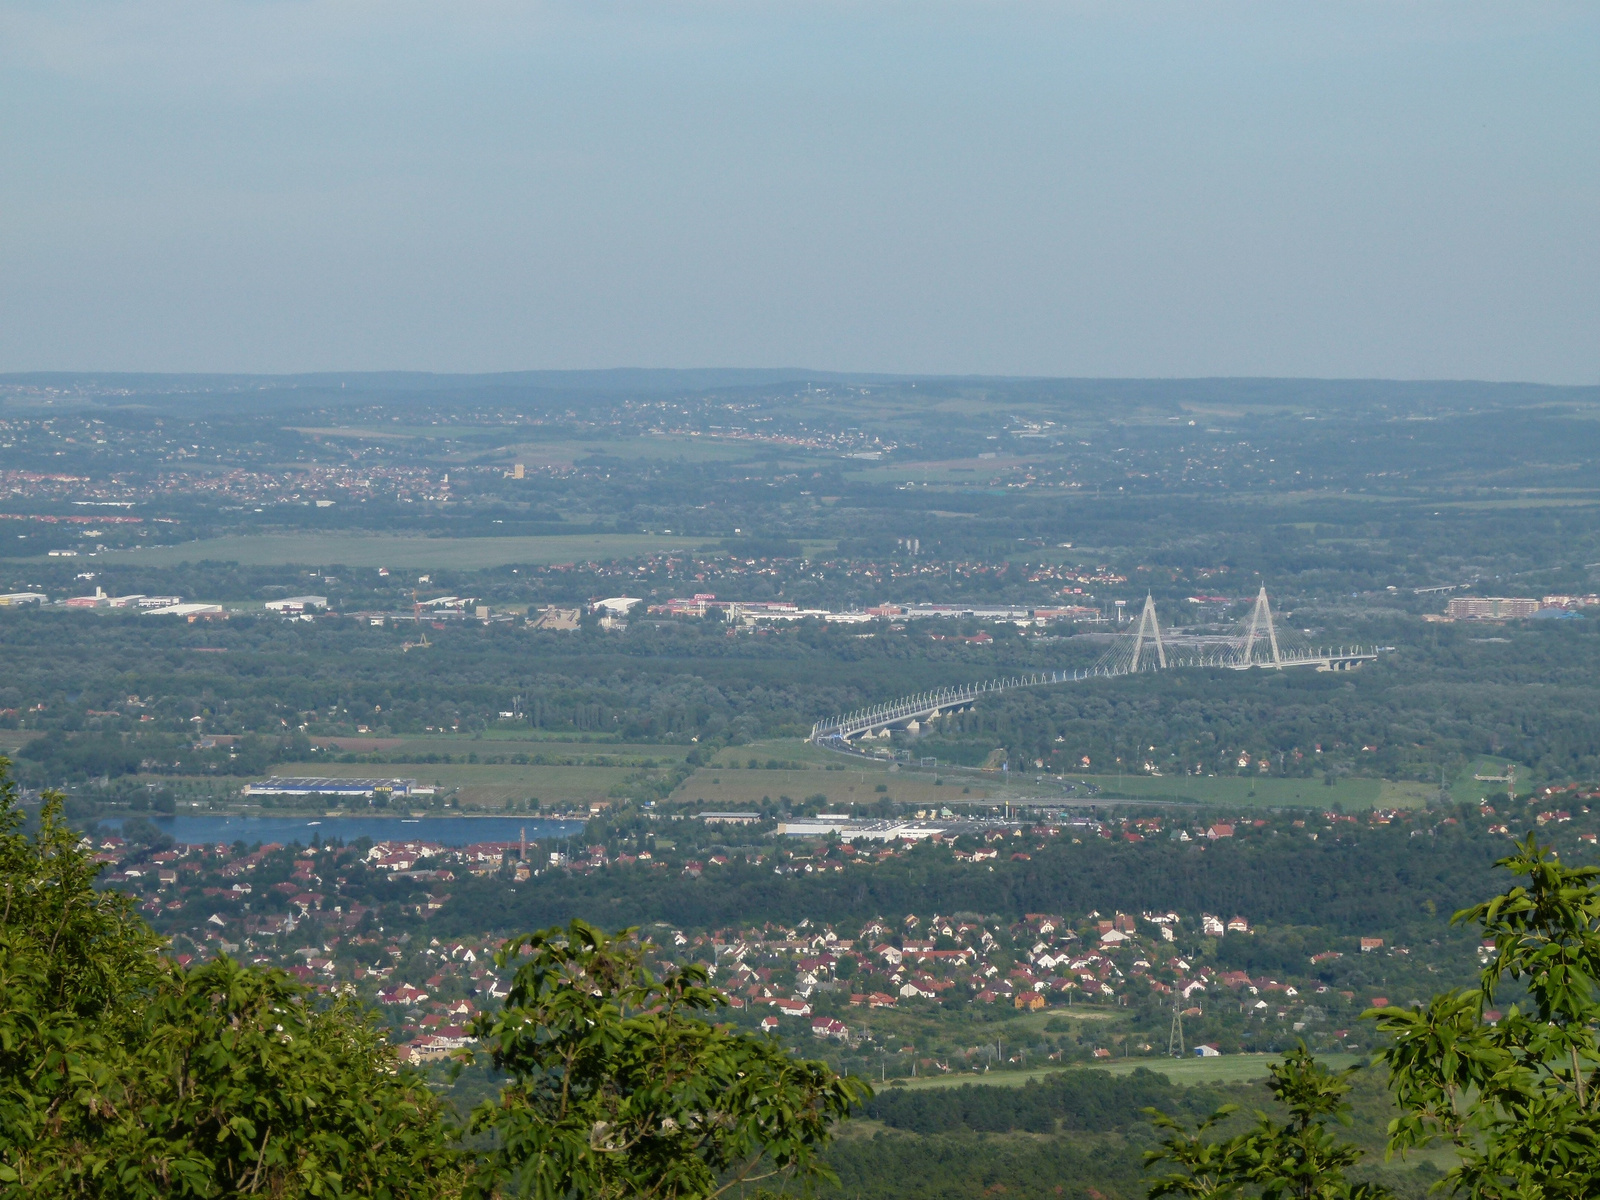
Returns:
<point x="384" y="550"/>
<point x="1406" y="794"/>
<point x="1467" y="790"/>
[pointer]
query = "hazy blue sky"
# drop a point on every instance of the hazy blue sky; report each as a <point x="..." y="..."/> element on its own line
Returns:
<point x="1119" y="188"/>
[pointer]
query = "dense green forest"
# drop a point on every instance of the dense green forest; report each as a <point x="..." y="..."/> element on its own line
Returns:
<point x="1376" y="880"/>
<point x="1068" y="1101"/>
<point x="1074" y="1133"/>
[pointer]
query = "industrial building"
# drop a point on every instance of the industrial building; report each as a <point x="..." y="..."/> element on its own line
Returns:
<point x="1491" y="608"/>
<point x="297" y="604"/>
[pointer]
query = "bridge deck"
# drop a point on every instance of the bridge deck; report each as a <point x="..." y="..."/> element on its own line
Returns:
<point x="926" y="705"/>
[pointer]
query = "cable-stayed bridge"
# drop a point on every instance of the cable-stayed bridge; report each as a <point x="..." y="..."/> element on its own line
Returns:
<point x="1255" y="642"/>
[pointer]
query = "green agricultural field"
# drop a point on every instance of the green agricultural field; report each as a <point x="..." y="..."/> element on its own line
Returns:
<point x="564" y="453"/>
<point x="727" y="788"/>
<point x="915" y="785"/>
<point x="785" y="750"/>
<point x="11" y="740"/>
<point x="383" y="550"/>
<point x="400" y="749"/>
<point x="361" y="432"/>
<point x="689" y="449"/>
<point x="730" y="782"/>
<point x="485" y="785"/>
<point x="1529" y="501"/>
<point x="969" y="472"/>
<point x="1266" y="792"/>
<point x="520" y="733"/>
<point x="1226" y="1068"/>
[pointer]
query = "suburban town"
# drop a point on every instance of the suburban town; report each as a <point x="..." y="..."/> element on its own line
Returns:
<point x="360" y="919"/>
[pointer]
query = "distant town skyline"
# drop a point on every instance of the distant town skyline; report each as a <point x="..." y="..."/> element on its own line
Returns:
<point x="1045" y="189"/>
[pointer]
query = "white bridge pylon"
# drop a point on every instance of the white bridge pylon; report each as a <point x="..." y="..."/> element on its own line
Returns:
<point x="1261" y="612"/>
<point x="1253" y="643"/>
<point x="1148" y="618"/>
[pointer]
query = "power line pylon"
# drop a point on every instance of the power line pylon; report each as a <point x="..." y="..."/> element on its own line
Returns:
<point x="416" y="615"/>
<point x="1262" y="613"/>
<point x="1175" y="1034"/>
<point x="1148" y="619"/>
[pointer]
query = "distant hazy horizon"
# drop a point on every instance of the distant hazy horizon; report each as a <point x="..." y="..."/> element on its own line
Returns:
<point x="1222" y="188"/>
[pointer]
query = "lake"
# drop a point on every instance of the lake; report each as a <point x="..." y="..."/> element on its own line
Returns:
<point x="448" y="831"/>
